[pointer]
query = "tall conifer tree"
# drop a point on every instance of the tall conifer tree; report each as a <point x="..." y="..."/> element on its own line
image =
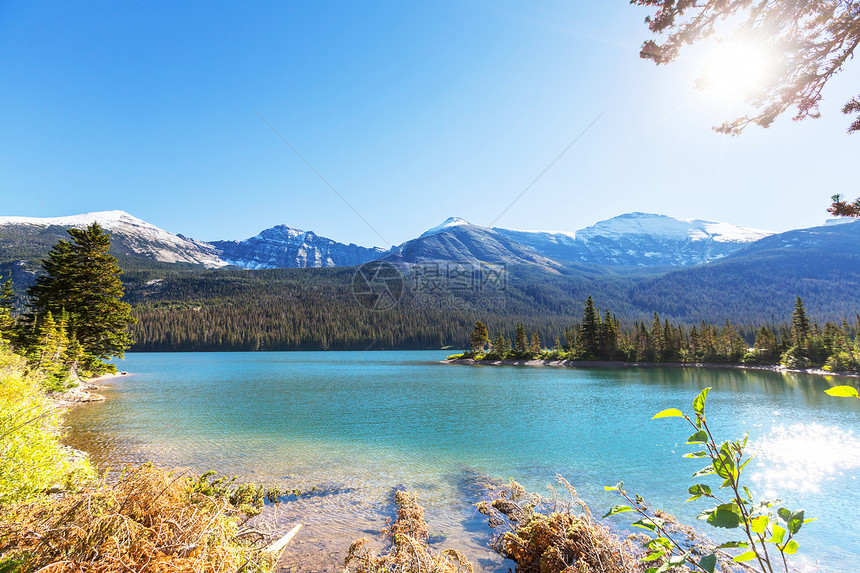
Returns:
<point x="800" y="329"/>
<point x="589" y="338"/>
<point x="82" y="279"/>
<point x="7" y="305"/>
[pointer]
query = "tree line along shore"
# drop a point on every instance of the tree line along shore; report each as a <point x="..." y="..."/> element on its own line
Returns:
<point x="599" y="336"/>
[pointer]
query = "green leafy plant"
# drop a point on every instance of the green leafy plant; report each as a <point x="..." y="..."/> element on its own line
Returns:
<point x="843" y="392"/>
<point x="768" y="534"/>
<point x="247" y="497"/>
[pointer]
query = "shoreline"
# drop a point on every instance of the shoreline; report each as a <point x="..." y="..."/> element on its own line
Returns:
<point x="83" y="392"/>
<point x="537" y="362"/>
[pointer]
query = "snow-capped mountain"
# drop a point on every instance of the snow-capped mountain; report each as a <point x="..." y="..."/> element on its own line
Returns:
<point x="286" y="247"/>
<point x="631" y="240"/>
<point x="457" y="240"/>
<point x="641" y="240"/>
<point x="131" y="237"/>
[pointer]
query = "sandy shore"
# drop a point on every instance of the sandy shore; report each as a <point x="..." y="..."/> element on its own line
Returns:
<point x="620" y="364"/>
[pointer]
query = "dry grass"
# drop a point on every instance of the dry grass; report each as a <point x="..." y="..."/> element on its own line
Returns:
<point x="408" y="552"/>
<point x="549" y="536"/>
<point x="149" y="520"/>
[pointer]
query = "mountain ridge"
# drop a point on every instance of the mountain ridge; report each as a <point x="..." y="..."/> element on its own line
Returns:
<point x="629" y="241"/>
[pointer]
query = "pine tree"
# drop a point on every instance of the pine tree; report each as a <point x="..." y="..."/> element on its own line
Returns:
<point x="480" y="337"/>
<point x="800" y="329"/>
<point x="7" y="305"/>
<point x="534" y="346"/>
<point x="589" y="337"/>
<point x="857" y="347"/>
<point x="766" y="345"/>
<point x="657" y="337"/>
<point x="500" y="346"/>
<point x="72" y="356"/>
<point x="569" y="343"/>
<point x="82" y="278"/>
<point x="695" y="345"/>
<point x="608" y="337"/>
<point x="51" y="342"/>
<point x="522" y="343"/>
<point x="733" y="345"/>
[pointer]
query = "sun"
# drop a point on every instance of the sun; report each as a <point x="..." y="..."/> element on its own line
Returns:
<point x="736" y="70"/>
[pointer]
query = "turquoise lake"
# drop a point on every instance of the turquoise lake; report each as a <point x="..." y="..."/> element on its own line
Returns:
<point x="358" y="424"/>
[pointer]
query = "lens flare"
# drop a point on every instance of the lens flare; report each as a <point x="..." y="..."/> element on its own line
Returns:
<point x="800" y="457"/>
<point x="736" y="70"/>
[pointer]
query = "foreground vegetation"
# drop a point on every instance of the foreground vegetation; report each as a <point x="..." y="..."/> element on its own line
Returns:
<point x="55" y="515"/>
<point x="31" y="457"/>
<point x="147" y="520"/>
<point x="801" y="344"/>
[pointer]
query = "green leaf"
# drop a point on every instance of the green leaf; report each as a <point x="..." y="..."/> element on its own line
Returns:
<point x="778" y="534"/>
<point x="764" y="504"/>
<point x="790" y="547"/>
<point x="795" y="521"/>
<point x="698" y="491"/>
<point x="658" y="542"/>
<point x="726" y="516"/>
<point x="708" y="563"/>
<point x="616" y="487"/>
<point x="745" y="556"/>
<point x="616" y="509"/>
<point x="733" y="545"/>
<point x="724" y="464"/>
<point x="759" y="524"/>
<point x="700" y="437"/>
<point x="678" y="560"/>
<point x="650" y="524"/>
<point x="784" y="514"/>
<point x="699" y="402"/>
<point x="704" y="471"/>
<point x="696" y="455"/>
<point x="842" y="392"/>
<point x="655" y="555"/>
<point x="670" y="413"/>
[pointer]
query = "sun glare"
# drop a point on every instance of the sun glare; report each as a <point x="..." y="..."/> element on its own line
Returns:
<point x="735" y="70"/>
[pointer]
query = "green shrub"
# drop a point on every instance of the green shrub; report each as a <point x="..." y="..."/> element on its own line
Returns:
<point x="794" y="358"/>
<point x="31" y="457"/>
<point x="840" y="362"/>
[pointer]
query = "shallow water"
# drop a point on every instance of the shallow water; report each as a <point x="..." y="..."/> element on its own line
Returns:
<point x="356" y="425"/>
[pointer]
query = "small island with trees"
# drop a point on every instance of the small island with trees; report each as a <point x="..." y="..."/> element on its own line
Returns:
<point x="600" y="337"/>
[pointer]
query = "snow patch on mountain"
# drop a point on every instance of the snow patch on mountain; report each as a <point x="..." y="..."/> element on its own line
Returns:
<point x="641" y="239"/>
<point x="671" y="228"/>
<point x="283" y="246"/>
<point x="139" y="236"/>
<point x="448" y="223"/>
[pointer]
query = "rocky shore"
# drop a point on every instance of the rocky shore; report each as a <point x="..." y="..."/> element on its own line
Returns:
<point x="621" y="364"/>
<point x="83" y="392"/>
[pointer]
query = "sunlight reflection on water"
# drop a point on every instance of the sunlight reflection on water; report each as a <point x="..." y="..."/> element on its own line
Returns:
<point x="800" y="457"/>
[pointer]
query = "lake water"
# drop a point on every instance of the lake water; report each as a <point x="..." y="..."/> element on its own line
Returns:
<point x="356" y="425"/>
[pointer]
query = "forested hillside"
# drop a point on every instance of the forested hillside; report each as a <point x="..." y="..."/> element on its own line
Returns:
<point x="315" y="308"/>
<point x="183" y="307"/>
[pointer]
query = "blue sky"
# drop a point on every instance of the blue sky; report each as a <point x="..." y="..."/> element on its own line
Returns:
<point x="413" y="113"/>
